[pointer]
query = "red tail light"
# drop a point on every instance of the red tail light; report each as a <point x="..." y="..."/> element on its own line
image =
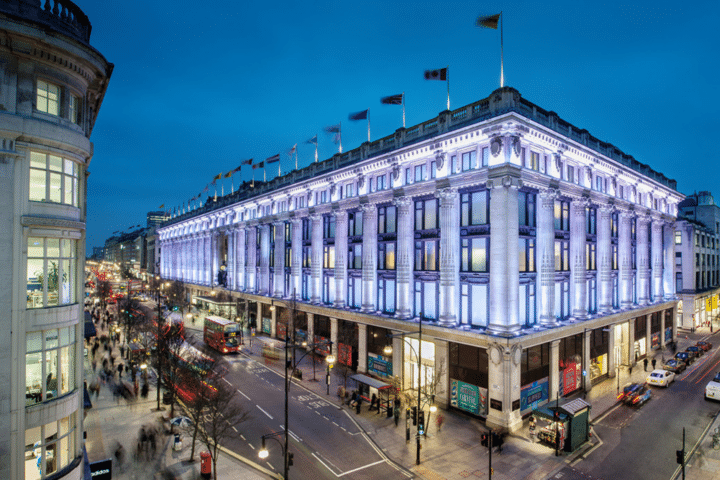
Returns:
<point x="636" y="399"/>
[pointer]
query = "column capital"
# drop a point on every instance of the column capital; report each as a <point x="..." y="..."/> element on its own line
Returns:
<point x="643" y="219"/>
<point x="315" y="217"/>
<point x="340" y="215"/>
<point x="296" y="220"/>
<point x="447" y="196"/>
<point x="403" y="202"/>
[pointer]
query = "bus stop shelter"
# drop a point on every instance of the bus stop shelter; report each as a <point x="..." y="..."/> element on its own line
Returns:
<point x="368" y="386"/>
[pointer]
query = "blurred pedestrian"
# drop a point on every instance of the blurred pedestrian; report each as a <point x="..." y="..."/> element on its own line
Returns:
<point x="654" y="361"/>
<point x="120" y="368"/>
<point x="441" y="418"/>
<point x="645" y="363"/>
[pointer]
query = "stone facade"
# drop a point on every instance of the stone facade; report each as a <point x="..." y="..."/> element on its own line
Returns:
<point x="529" y="249"/>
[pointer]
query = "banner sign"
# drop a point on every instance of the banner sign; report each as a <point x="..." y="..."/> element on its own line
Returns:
<point x="379" y="366"/>
<point x="470" y="398"/>
<point x="534" y="395"/>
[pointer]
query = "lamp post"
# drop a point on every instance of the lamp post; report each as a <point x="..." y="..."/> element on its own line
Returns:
<point x="288" y="457"/>
<point x="388" y="350"/>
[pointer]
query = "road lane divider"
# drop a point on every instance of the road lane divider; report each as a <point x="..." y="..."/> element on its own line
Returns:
<point x="266" y="413"/>
<point x="241" y="393"/>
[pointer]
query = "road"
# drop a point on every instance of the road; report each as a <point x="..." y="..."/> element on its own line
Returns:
<point x="640" y="443"/>
<point x="325" y="441"/>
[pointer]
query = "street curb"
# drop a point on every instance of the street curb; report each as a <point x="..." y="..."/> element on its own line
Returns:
<point x="250" y="463"/>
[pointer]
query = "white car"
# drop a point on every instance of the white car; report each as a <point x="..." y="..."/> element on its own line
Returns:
<point x="712" y="390"/>
<point x="661" y="378"/>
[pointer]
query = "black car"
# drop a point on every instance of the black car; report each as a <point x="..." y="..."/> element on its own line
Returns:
<point x="674" y="365"/>
<point x="685" y="357"/>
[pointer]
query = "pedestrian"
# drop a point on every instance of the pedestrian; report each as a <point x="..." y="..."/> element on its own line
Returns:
<point x="120" y="368"/>
<point x="119" y="456"/>
<point x="373" y="401"/>
<point x="94" y="365"/>
<point x="439" y="420"/>
<point x="532" y="425"/>
<point x="358" y="404"/>
<point x="654" y="361"/>
<point x="645" y="363"/>
<point x="122" y="351"/>
<point x="353" y="399"/>
<point x="144" y="390"/>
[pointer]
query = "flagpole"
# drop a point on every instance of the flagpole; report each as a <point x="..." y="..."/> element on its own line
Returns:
<point x="340" y="134"/>
<point x="502" y="74"/>
<point x="448" y="86"/>
<point x="368" y="119"/>
<point x="279" y="166"/>
<point x="264" y="177"/>
<point x="316" y="152"/>
<point x="403" y="105"/>
<point x="232" y="185"/>
<point x="296" y="159"/>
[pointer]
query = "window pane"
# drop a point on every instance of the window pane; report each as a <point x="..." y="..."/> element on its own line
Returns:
<point x="479" y="255"/>
<point x="479" y="208"/>
<point x="51" y="372"/>
<point x="33" y="378"/>
<point x="68" y="193"/>
<point x="430" y="300"/>
<point x="38" y="160"/>
<point x="479" y="304"/>
<point x="390" y="220"/>
<point x="522" y="255"/>
<point x="390" y="256"/>
<point x="55" y="163"/>
<point x="53" y="277"/>
<point x="35" y="247"/>
<point x="53" y="247"/>
<point x="430" y="256"/>
<point x="37" y="185"/>
<point x="55" y="187"/>
<point x="431" y="214"/>
<point x="36" y="277"/>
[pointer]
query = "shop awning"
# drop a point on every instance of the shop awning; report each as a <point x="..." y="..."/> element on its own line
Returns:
<point x="360" y="378"/>
<point x="549" y="413"/>
<point x="90" y="330"/>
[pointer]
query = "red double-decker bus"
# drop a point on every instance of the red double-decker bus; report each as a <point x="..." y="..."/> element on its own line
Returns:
<point x="221" y="334"/>
<point x="195" y="371"/>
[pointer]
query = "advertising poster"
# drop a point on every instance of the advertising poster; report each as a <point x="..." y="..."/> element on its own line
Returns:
<point x="571" y="378"/>
<point x="281" y="330"/>
<point x="345" y="354"/>
<point x="533" y="395"/>
<point x="379" y="366"/>
<point x="655" y="340"/>
<point x="266" y="324"/>
<point x="470" y="398"/>
<point x="668" y="335"/>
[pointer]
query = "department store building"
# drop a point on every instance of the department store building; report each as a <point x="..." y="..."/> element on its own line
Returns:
<point x="539" y="258"/>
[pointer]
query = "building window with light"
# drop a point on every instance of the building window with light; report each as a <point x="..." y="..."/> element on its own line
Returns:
<point x="474" y="255"/>
<point x="387" y="244"/>
<point x="51" y="272"/>
<point x="427" y="260"/>
<point x="306" y="259"/>
<point x="48" y="98"/>
<point x="53" y="179"/>
<point x="354" y="257"/>
<point x="328" y="272"/>
<point x="469" y="160"/>
<point x="49" y="365"/>
<point x="74" y="109"/>
<point x="53" y="445"/>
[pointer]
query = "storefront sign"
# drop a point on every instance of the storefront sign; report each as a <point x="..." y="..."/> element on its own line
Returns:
<point x="496" y="404"/>
<point x="533" y="395"/>
<point x="101" y="470"/>
<point x="708" y="304"/>
<point x="281" y="330"/>
<point x="571" y="378"/>
<point x="379" y="366"/>
<point x="470" y="398"/>
<point x="715" y="302"/>
<point x="266" y="324"/>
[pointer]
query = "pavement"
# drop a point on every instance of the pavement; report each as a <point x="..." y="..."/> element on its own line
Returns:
<point x="448" y="452"/>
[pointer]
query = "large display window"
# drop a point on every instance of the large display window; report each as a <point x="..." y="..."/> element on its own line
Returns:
<point x="49" y="448"/>
<point x="49" y="365"/>
<point x="51" y="272"/>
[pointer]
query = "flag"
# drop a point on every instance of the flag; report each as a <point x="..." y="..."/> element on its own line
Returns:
<point x="330" y="129"/>
<point x="313" y="140"/>
<point x="488" y="21"/>
<point x="273" y="159"/>
<point x="358" y="115"/>
<point x="217" y="177"/>
<point x="237" y="169"/>
<point x="440" y="74"/>
<point x="229" y="174"/>
<point x="392" y="99"/>
<point x="161" y="206"/>
<point x="292" y="150"/>
<point x="259" y="165"/>
<point x="246" y="162"/>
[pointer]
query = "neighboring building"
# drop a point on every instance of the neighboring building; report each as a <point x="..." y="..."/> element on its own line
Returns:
<point x="697" y="260"/>
<point x="98" y="253"/>
<point x="533" y="251"/>
<point x="52" y="84"/>
<point x="155" y="219"/>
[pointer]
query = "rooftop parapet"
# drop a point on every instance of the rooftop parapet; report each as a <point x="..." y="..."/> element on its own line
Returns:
<point x="62" y="16"/>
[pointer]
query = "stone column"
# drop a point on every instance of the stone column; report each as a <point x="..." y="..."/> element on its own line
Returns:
<point x="631" y="341"/>
<point x="625" y="251"/>
<point x="362" y="348"/>
<point x="662" y="329"/>
<point x="316" y="260"/>
<point x="554" y="379"/>
<point x="578" y="265"/>
<point x="251" y="267"/>
<point x="369" y="257"/>
<point x="334" y="337"/>
<point x="611" y="351"/>
<point x="643" y="259"/>
<point x="504" y="265"/>
<point x="504" y="383"/>
<point x="264" y="275"/>
<point x="215" y="257"/>
<point x="656" y="239"/>
<point x="259" y="317"/>
<point x="546" y="254"/>
<point x="230" y="233"/>
<point x="310" y="330"/>
<point x="296" y="258"/>
<point x="405" y="250"/>
<point x="604" y="254"/>
<point x="449" y="249"/>
<point x="586" y="360"/>
<point x="279" y="270"/>
<point x="341" y="251"/>
<point x="669" y="260"/>
<point x="206" y="264"/>
<point x="648" y="335"/>
<point x="240" y="259"/>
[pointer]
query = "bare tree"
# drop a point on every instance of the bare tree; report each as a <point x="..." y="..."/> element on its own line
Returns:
<point x="104" y="290"/>
<point x="215" y="412"/>
<point x="131" y="315"/>
<point x="177" y="297"/>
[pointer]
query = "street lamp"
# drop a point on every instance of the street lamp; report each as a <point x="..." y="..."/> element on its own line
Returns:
<point x="330" y="359"/>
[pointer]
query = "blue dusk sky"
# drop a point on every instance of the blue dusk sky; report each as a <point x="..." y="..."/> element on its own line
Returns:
<point x="200" y="86"/>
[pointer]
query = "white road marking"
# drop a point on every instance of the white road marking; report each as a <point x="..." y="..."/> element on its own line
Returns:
<point x="268" y="464"/>
<point x="243" y="437"/>
<point x="324" y="464"/>
<point x="336" y="424"/>
<point x="235" y="429"/>
<point x="226" y="381"/>
<point x="266" y="413"/>
<point x="360" y="468"/>
<point x="297" y="439"/>
<point x="241" y="393"/>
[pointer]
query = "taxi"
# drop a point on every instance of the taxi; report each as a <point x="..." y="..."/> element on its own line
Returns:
<point x="712" y="389"/>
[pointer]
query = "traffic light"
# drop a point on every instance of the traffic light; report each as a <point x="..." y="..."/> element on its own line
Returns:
<point x="290" y="459"/>
<point x="484" y="440"/>
<point x="414" y="415"/>
<point x="680" y="455"/>
<point x="421" y="422"/>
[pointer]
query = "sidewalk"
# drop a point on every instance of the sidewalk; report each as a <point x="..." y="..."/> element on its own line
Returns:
<point x="114" y="421"/>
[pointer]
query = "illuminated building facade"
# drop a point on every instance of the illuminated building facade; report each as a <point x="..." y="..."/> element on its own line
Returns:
<point x="52" y="83"/>
<point x="531" y="250"/>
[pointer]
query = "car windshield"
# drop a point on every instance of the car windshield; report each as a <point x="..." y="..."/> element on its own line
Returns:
<point x="656" y="375"/>
<point x="717" y="378"/>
